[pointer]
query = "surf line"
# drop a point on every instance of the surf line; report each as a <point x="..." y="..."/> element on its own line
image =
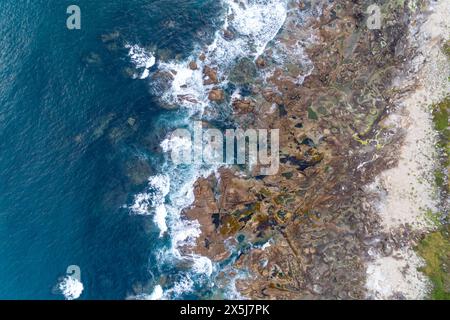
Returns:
<point x="192" y="310"/>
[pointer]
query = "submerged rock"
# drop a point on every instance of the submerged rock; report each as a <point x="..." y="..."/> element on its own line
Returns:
<point x="244" y="72"/>
<point x="110" y="36"/>
<point x="228" y="35"/>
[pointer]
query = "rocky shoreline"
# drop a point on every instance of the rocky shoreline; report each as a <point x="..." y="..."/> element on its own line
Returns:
<point x="335" y="90"/>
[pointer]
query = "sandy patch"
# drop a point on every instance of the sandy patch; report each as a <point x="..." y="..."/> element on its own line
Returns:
<point x="396" y="277"/>
<point x="408" y="190"/>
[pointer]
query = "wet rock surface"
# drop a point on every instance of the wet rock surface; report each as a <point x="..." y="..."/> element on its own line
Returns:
<point x="243" y="72"/>
<point x="216" y="94"/>
<point x="306" y="232"/>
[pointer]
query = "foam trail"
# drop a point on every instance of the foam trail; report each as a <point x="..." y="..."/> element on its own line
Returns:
<point x="186" y="284"/>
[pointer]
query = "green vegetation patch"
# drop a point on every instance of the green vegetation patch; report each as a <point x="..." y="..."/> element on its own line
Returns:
<point x="435" y="250"/>
<point x="312" y="115"/>
<point x="441" y="113"/>
<point x="440" y="116"/>
<point x="447" y="48"/>
<point x="435" y="247"/>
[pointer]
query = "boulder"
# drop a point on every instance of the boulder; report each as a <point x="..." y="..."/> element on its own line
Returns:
<point x="193" y="65"/>
<point x="228" y="35"/>
<point x="210" y="76"/>
<point x="243" y="106"/>
<point x="216" y="94"/>
<point x="260" y="62"/>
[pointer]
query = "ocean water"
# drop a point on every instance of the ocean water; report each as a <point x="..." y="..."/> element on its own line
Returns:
<point x="85" y="178"/>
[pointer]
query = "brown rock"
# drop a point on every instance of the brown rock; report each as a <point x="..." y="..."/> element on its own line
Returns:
<point x="193" y="65"/>
<point x="216" y="95"/>
<point x="210" y="76"/>
<point x="314" y="219"/>
<point x="228" y="35"/>
<point x="271" y="96"/>
<point x="243" y="106"/>
<point x="260" y="63"/>
<point x="301" y="5"/>
<point x="202" y="57"/>
<point x="186" y="97"/>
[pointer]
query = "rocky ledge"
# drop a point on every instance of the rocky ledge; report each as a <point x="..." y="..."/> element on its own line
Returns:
<point x="331" y="85"/>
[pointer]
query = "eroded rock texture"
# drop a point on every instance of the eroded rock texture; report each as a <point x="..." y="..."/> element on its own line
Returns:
<point x="326" y="83"/>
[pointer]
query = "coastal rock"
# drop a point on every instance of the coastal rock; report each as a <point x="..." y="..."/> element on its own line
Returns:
<point x="271" y="96"/>
<point x="244" y="72"/>
<point x="243" y="106"/>
<point x="210" y="76"/>
<point x="216" y="95"/>
<point x="228" y="35"/>
<point x="193" y="65"/>
<point x="261" y="63"/>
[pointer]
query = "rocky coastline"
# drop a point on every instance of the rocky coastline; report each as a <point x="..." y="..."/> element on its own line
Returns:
<point x="336" y="90"/>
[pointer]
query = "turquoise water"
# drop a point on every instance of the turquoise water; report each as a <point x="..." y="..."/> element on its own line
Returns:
<point x="79" y="137"/>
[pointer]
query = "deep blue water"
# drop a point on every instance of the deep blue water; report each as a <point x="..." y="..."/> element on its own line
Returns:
<point x="69" y="160"/>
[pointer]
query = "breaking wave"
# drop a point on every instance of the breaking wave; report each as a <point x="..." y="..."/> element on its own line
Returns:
<point x="71" y="288"/>
<point x="142" y="59"/>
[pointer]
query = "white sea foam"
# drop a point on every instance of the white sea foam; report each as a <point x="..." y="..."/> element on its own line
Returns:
<point x="157" y="293"/>
<point x="255" y="22"/>
<point x="141" y="58"/>
<point x="141" y="204"/>
<point x="185" y="285"/>
<point x="266" y="245"/>
<point x="158" y="188"/>
<point x="187" y="87"/>
<point x="71" y="288"/>
<point x="161" y="186"/>
<point x="182" y="286"/>
<point x="184" y="233"/>
<point x="203" y="265"/>
<point x="145" y="74"/>
<point x="259" y="20"/>
<point x="176" y="144"/>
